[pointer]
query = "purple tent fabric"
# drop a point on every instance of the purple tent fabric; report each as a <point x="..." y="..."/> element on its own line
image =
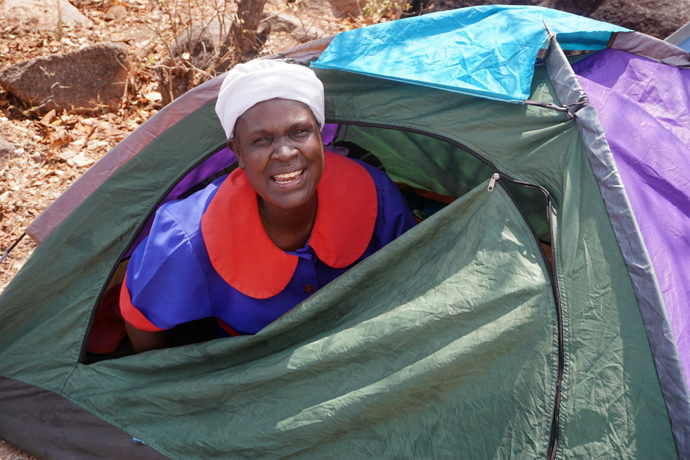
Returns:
<point x="644" y="108"/>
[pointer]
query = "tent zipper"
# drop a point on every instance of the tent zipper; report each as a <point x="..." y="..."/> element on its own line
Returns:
<point x="555" y="423"/>
<point x="492" y="182"/>
<point x="555" y="426"/>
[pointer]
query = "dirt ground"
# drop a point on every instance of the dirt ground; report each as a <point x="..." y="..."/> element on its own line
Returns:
<point x="53" y="150"/>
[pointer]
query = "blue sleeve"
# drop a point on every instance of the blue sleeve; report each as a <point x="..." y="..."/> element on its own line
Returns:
<point x="166" y="277"/>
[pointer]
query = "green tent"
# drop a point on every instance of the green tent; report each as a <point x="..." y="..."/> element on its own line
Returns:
<point x="525" y="319"/>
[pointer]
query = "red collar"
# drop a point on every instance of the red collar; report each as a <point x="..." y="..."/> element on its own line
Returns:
<point x="244" y="256"/>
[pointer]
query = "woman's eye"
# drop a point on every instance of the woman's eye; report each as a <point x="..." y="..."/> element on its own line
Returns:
<point x="262" y="141"/>
<point x="300" y="133"/>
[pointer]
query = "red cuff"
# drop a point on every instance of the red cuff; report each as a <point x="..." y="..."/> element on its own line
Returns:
<point x="226" y="327"/>
<point x="131" y="314"/>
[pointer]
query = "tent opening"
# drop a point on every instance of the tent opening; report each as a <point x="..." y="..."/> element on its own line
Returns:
<point x="428" y="182"/>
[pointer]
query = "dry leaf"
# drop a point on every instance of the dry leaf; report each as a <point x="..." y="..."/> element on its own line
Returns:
<point x="81" y="161"/>
<point x="57" y="139"/>
<point x="48" y="118"/>
<point x="154" y="96"/>
<point x="72" y="149"/>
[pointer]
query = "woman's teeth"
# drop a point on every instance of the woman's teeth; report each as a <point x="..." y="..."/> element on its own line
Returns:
<point x="287" y="178"/>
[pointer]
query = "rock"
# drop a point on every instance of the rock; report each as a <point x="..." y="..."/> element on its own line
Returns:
<point x="307" y="32"/>
<point x="343" y="8"/>
<point x="115" y="13"/>
<point x="119" y="37"/>
<point x="658" y="18"/>
<point x="49" y="15"/>
<point x="137" y="35"/>
<point x="6" y="148"/>
<point x="282" y="22"/>
<point x="333" y="10"/>
<point x="300" y="30"/>
<point x="203" y="43"/>
<point x="84" y="81"/>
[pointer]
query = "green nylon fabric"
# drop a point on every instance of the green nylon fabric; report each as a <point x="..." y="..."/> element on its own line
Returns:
<point x="611" y="405"/>
<point x="46" y="308"/>
<point x="442" y="344"/>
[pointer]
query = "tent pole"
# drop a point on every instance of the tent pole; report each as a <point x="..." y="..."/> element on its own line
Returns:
<point x="4" y="256"/>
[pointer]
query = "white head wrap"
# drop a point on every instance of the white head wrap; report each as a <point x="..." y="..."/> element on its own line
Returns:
<point x="262" y="79"/>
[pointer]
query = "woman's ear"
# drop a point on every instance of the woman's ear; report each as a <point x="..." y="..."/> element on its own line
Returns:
<point x="232" y="145"/>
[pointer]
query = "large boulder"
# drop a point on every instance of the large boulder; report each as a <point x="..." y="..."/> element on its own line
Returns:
<point x="658" y="18"/>
<point x="49" y="15"/>
<point x="86" y="80"/>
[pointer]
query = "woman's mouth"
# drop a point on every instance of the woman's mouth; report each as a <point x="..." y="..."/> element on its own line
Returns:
<point x="286" y="178"/>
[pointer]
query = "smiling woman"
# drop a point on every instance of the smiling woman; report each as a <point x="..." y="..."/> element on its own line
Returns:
<point x="253" y="244"/>
<point x="278" y="144"/>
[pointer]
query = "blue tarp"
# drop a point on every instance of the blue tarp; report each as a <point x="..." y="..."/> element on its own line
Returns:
<point x="486" y="51"/>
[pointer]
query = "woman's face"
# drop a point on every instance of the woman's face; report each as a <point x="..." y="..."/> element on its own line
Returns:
<point x="278" y="144"/>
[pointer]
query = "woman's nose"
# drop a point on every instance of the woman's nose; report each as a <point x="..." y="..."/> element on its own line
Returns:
<point x="286" y="151"/>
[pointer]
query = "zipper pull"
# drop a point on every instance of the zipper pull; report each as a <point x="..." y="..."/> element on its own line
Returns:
<point x="492" y="183"/>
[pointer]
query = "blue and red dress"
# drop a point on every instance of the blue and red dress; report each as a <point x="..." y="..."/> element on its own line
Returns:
<point x="209" y="255"/>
